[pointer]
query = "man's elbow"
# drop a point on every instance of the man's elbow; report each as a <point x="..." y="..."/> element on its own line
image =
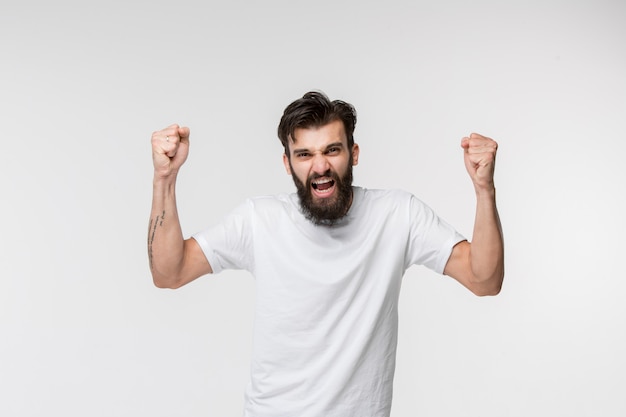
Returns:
<point x="487" y="292"/>
<point x="166" y="282"/>
<point x="491" y="287"/>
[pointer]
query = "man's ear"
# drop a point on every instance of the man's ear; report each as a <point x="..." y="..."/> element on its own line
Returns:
<point x="286" y="163"/>
<point x="355" y="154"/>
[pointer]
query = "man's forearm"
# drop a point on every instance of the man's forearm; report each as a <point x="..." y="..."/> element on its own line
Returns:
<point x="487" y="248"/>
<point x="165" y="238"/>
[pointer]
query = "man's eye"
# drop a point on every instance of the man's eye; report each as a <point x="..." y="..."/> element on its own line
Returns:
<point x="333" y="150"/>
<point x="302" y="155"/>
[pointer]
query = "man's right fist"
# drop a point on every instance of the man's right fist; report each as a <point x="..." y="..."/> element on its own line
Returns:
<point x="170" y="148"/>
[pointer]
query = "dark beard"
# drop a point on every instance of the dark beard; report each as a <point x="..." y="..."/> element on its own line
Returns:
<point x="326" y="211"/>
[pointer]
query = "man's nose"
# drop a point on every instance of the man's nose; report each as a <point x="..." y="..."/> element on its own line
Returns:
<point x="320" y="164"/>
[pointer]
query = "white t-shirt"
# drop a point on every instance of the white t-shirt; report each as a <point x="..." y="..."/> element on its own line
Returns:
<point x="326" y="320"/>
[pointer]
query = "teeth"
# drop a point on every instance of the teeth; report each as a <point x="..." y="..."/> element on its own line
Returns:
<point x="322" y="181"/>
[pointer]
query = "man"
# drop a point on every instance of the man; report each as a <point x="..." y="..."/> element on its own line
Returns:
<point x="327" y="261"/>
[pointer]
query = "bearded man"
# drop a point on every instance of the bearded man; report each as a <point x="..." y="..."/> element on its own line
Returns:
<point x="328" y="262"/>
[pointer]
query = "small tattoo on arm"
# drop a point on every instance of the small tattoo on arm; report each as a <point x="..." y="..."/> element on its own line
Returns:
<point x="152" y="228"/>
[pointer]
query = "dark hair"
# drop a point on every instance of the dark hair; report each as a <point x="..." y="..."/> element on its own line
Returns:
<point x="314" y="109"/>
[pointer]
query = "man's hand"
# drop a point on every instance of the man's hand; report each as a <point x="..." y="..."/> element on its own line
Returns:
<point x="170" y="148"/>
<point x="480" y="160"/>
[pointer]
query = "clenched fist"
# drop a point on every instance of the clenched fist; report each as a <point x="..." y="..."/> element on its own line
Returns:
<point x="170" y="148"/>
<point x="480" y="160"/>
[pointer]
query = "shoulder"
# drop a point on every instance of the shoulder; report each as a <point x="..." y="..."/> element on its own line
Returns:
<point x="384" y="196"/>
<point x="270" y="205"/>
<point x="381" y="203"/>
<point x="392" y="201"/>
<point x="262" y="201"/>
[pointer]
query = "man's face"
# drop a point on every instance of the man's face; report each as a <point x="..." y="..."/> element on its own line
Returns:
<point x="320" y="164"/>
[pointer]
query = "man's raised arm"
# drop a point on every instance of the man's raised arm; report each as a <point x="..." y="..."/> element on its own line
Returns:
<point x="479" y="265"/>
<point x="174" y="261"/>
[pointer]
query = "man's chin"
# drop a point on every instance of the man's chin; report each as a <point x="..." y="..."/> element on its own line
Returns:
<point x="326" y="210"/>
<point x="324" y="198"/>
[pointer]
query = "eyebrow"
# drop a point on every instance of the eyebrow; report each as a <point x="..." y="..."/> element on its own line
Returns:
<point x="330" y="145"/>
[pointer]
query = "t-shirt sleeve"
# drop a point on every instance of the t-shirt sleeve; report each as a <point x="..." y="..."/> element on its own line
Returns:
<point x="431" y="239"/>
<point x="228" y="244"/>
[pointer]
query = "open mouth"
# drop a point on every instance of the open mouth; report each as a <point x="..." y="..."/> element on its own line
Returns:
<point x="323" y="185"/>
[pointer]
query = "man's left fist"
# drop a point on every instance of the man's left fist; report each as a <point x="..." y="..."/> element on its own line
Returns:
<point x="480" y="160"/>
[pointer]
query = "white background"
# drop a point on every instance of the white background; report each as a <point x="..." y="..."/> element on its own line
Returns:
<point x="84" y="333"/>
